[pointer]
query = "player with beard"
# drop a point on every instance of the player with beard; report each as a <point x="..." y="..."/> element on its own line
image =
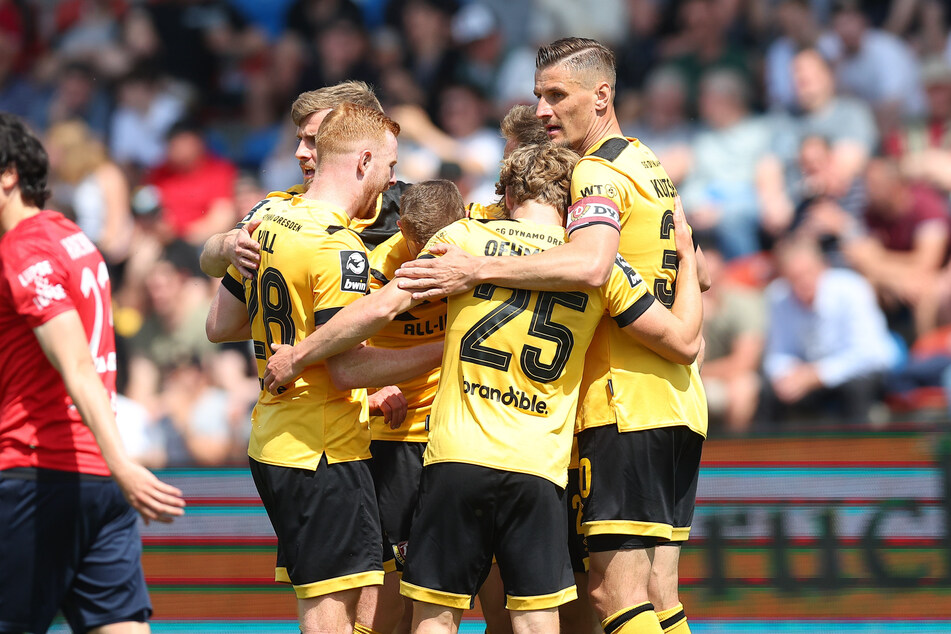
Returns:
<point x="312" y="441"/>
<point x="642" y="419"/>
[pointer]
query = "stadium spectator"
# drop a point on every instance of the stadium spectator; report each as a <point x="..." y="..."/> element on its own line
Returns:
<point x="720" y="194"/>
<point x="821" y="209"/>
<point x="798" y="29"/>
<point x="203" y="42"/>
<point x="906" y="246"/>
<point x="195" y="187"/>
<point x="430" y="60"/>
<point x="924" y="145"/>
<point x="77" y="94"/>
<point x="145" y="111"/>
<point x="504" y="74"/>
<point x="465" y="149"/>
<point x="665" y="125"/>
<point x="171" y="326"/>
<point x="702" y="44"/>
<point x="873" y="64"/>
<point x="601" y="20"/>
<point x="339" y="52"/>
<point x="638" y="53"/>
<point x="827" y="345"/>
<point x="91" y="188"/>
<point x="194" y="417"/>
<point x="845" y="122"/>
<point x="734" y="326"/>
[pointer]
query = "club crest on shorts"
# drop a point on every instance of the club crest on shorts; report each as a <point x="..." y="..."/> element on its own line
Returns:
<point x="354" y="272"/>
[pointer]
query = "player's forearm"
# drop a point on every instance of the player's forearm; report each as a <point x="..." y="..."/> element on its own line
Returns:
<point x="92" y="401"/>
<point x="354" y="324"/>
<point x="214" y="260"/>
<point x="688" y="306"/>
<point x="227" y="319"/>
<point x="580" y="264"/>
<point x="378" y="367"/>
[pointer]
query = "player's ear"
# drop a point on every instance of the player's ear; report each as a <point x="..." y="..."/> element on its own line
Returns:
<point x="9" y="178"/>
<point x="603" y="95"/>
<point x="364" y="164"/>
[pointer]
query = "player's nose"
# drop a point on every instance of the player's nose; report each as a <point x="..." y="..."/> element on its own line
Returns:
<point x="302" y="153"/>
<point x="543" y="110"/>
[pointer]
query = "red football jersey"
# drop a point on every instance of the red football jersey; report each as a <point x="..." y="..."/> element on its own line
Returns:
<point x="49" y="266"/>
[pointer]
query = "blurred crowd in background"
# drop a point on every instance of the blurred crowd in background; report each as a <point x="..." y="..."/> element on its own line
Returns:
<point x="810" y="141"/>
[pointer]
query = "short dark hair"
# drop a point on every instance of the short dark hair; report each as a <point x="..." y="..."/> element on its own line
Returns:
<point x="427" y="207"/>
<point x="22" y="151"/>
<point x="580" y="54"/>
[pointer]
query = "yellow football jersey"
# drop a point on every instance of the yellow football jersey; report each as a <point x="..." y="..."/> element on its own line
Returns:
<point x="423" y="324"/>
<point x="381" y="228"/>
<point x="508" y="392"/>
<point x="620" y="182"/>
<point x="311" y="267"/>
<point x="495" y="211"/>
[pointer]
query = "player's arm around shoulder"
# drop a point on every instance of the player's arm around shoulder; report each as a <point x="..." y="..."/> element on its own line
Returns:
<point x="675" y="334"/>
<point x="236" y="247"/>
<point x="348" y="328"/>
<point x="63" y="340"/>
<point x="345" y="318"/>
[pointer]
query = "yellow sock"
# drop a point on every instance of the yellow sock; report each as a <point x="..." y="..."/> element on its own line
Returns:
<point x="638" y="619"/>
<point x="363" y="629"/>
<point x="674" y="620"/>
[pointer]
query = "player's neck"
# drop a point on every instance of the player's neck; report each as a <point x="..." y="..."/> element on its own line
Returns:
<point x="15" y="211"/>
<point x="605" y="126"/>
<point x="540" y="213"/>
<point x="336" y="192"/>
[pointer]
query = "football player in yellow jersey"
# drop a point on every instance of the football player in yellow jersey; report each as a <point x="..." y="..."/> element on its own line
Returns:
<point x="235" y="247"/>
<point x="397" y="450"/>
<point x="312" y="442"/>
<point x="500" y="394"/>
<point x="636" y="404"/>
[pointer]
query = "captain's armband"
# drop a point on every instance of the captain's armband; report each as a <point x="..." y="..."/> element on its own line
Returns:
<point x="593" y="210"/>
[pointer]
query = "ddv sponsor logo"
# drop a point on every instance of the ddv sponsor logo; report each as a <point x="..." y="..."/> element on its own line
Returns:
<point x="509" y="398"/>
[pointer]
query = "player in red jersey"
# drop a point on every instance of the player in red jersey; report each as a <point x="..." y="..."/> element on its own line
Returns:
<point x="68" y="539"/>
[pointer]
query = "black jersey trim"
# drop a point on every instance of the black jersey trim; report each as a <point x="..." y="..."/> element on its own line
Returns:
<point x="636" y="309"/>
<point x="332" y="229"/>
<point x="611" y="149"/>
<point x="592" y="223"/>
<point x="378" y="276"/>
<point x="321" y="317"/>
<point x="426" y="256"/>
<point x="234" y="287"/>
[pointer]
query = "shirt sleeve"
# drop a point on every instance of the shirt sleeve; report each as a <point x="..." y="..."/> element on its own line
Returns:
<point x="595" y="196"/>
<point x="248" y="216"/>
<point x="341" y="274"/>
<point x="625" y="294"/>
<point x="234" y="283"/>
<point x="38" y="283"/>
<point x="451" y="234"/>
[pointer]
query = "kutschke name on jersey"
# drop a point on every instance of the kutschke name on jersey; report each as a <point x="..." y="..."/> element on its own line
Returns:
<point x="354" y="272"/>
